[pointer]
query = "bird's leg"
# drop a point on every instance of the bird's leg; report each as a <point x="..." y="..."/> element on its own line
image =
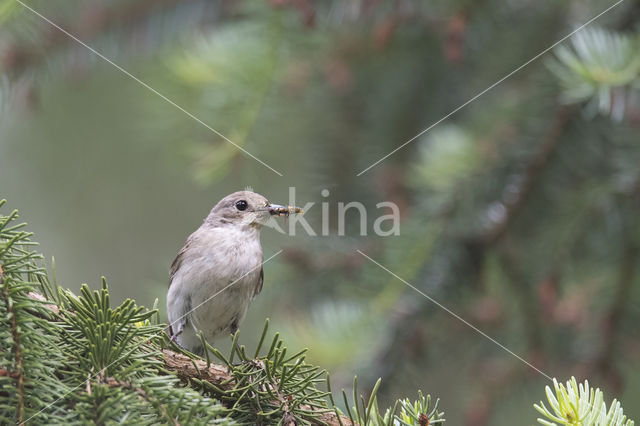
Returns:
<point x="181" y="325"/>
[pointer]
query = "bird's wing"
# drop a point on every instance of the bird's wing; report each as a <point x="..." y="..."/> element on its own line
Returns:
<point x="259" y="283"/>
<point x="175" y="265"/>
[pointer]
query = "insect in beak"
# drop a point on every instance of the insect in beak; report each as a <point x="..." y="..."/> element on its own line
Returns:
<point x="278" y="210"/>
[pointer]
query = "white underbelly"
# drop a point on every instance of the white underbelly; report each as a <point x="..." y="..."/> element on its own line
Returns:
<point x="223" y="305"/>
<point x="213" y="289"/>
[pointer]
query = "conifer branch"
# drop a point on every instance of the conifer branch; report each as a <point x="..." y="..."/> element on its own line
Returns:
<point x="19" y="57"/>
<point x="75" y="336"/>
<point x="112" y="382"/>
<point x="187" y="369"/>
<point x="222" y="382"/>
<point x="17" y="351"/>
<point x="627" y="276"/>
<point x="550" y="142"/>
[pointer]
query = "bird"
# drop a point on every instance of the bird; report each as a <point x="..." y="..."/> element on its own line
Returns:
<point x="218" y="271"/>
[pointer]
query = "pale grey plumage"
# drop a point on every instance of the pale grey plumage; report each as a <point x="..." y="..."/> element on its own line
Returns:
<point x="218" y="272"/>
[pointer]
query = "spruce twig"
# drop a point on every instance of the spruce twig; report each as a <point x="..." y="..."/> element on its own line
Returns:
<point x="17" y="351"/>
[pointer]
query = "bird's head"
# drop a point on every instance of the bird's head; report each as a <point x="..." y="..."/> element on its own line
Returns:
<point x="246" y="208"/>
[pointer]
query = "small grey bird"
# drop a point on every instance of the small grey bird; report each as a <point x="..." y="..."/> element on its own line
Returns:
<point x="218" y="272"/>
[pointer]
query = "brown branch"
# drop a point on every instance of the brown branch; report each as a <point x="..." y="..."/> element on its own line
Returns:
<point x="630" y="18"/>
<point x="628" y="268"/>
<point x="627" y="275"/>
<point x="40" y="298"/>
<point x="604" y="363"/>
<point x="478" y="244"/>
<point x="187" y="369"/>
<point x="7" y="373"/>
<point x="288" y="418"/>
<point x="529" y="304"/>
<point x="219" y="376"/>
<point x="456" y="31"/>
<point x="18" y="375"/>
<point x="530" y="177"/>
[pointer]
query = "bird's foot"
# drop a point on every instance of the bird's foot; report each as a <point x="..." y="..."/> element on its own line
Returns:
<point x="175" y="335"/>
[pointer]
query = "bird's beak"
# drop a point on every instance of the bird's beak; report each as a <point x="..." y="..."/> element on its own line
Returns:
<point x="278" y="210"/>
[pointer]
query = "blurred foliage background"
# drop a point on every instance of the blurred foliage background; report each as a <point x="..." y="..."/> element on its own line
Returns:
<point x="519" y="212"/>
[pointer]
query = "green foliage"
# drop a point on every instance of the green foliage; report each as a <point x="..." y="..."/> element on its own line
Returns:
<point x="579" y="405"/>
<point x="81" y="361"/>
<point x="105" y="334"/>
<point x="601" y="67"/>
<point x="320" y="94"/>
<point x="271" y="387"/>
<point x="232" y="73"/>
<point x="448" y="157"/>
<point x="414" y="413"/>
<point x="30" y="355"/>
<point x="7" y="9"/>
<point x="404" y="412"/>
<point x="74" y="359"/>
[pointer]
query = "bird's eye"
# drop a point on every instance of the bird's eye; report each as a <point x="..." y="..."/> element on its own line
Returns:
<point x="241" y="205"/>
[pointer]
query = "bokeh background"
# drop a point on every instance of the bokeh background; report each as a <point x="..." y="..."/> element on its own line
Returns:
<point x="519" y="212"/>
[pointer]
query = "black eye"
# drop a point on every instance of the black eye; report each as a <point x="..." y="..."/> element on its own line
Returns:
<point x="241" y="205"/>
